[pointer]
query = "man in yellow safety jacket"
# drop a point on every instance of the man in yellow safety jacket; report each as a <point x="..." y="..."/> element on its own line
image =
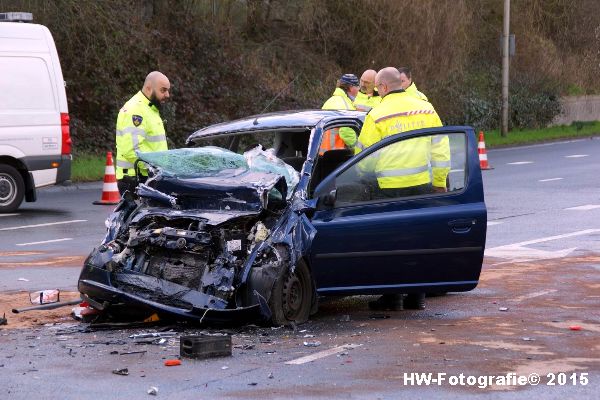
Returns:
<point x="342" y="99"/>
<point x="140" y="128"/>
<point x="411" y="167"/>
<point x="367" y="96"/>
<point x="408" y="85"/>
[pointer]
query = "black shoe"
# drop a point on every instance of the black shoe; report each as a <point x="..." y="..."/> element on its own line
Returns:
<point x="388" y="302"/>
<point x="415" y="301"/>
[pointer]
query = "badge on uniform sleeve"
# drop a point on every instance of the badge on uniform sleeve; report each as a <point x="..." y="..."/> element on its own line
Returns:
<point x="137" y="120"/>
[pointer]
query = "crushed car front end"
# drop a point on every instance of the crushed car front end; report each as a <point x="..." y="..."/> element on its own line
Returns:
<point x="205" y="238"/>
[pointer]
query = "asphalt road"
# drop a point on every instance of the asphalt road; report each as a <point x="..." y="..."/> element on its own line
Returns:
<point x="540" y="278"/>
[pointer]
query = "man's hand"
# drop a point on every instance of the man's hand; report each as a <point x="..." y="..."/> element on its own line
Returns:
<point x="438" y="189"/>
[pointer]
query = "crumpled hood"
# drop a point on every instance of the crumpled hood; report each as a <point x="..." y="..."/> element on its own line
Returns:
<point x="209" y="178"/>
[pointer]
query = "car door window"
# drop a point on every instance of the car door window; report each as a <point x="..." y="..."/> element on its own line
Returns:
<point x="418" y="166"/>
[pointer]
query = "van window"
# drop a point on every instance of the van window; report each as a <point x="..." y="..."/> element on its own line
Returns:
<point x="26" y="84"/>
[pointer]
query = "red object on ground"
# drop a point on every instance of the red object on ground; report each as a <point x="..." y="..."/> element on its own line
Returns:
<point x="483" y="161"/>
<point x="110" y="191"/>
<point x="575" y="328"/>
<point x="172" y="363"/>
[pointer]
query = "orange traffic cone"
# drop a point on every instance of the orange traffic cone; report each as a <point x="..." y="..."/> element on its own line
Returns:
<point x="110" y="191"/>
<point x="483" y="161"/>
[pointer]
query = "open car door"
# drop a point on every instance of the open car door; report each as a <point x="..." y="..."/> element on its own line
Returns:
<point x="369" y="242"/>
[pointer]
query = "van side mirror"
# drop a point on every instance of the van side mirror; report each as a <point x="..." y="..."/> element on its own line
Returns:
<point x="327" y="200"/>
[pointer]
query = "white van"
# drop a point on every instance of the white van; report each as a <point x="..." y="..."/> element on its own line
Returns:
<point x="35" y="142"/>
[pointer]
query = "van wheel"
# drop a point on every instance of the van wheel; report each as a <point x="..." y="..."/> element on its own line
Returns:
<point x="12" y="189"/>
<point x="292" y="296"/>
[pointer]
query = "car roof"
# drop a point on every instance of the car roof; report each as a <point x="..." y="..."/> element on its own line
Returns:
<point x="281" y="120"/>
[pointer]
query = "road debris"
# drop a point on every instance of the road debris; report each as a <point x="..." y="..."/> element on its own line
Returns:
<point x="575" y="327"/>
<point x="121" y="371"/>
<point x="379" y="316"/>
<point x="153" y="391"/>
<point x="205" y="346"/>
<point x="172" y="363"/>
<point x="271" y="376"/>
<point x="23" y="279"/>
<point x="503" y="309"/>
<point x="316" y="343"/>
<point x="3" y="320"/>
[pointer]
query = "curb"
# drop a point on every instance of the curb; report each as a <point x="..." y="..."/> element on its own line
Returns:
<point x="72" y="187"/>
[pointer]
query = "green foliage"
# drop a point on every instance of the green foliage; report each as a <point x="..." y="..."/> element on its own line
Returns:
<point x="575" y="90"/>
<point x="231" y="58"/>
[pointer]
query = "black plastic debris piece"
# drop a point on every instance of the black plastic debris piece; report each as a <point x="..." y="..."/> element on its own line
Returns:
<point x="379" y="316"/>
<point x="3" y="320"/>
<point x="203" y="346"/>
<point x="121" y="371"/>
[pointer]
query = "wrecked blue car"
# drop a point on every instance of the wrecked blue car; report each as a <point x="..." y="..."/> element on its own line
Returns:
<point x="254" y="222"/>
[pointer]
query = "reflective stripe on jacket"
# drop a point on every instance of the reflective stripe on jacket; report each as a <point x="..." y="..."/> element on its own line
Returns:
<point x="338" y="138"/>
<point x="139" y="128"/>
<point x="407" y="163"/>
<point x="364" y="102"/>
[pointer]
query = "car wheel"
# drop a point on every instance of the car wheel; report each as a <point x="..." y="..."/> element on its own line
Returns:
<point x="292" y="296"/>
<point x="12" y="189"/>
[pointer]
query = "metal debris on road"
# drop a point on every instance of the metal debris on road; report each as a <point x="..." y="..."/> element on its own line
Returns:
<point x="152" y="335"/>
<point x="503" y="309"/>
<point x="153" y="391"/>
<point x="316" y="343"/>
<point x="121" y="371"/>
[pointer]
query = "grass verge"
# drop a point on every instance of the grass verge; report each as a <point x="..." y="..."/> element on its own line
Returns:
<point x="531" y="136"/>
<point x="87" y="168"/>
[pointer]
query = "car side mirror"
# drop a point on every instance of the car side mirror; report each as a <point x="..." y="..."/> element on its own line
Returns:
<point x="328" y="199"/>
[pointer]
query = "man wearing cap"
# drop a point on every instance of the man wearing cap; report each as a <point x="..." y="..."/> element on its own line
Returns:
<point x="414" y="167"/>
<point x="367" y="97"/>
<point x="140" y="128"/>
<point x="342" y="99"/>
<point x="408" y="85"/>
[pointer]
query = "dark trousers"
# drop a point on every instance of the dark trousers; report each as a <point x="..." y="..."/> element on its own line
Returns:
<point x="407" y="191"/>
<point x="128" y="183"/>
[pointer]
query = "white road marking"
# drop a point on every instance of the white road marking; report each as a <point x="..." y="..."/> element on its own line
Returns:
<point x="587" y="207"/>
<point x="40" y="225"/>
<point x="534" y="294"/>
<point x="490" y="223"/>
<point x="322" y="354"/>
<point x="45" y="241"/>
<point x="577" y="156"/>
<point x="520" y="163"/>
<point x="517" y="252"/>
<point x="7" y="215"/>
<point x="550" y="179"/>
<point x="549" y="238"/>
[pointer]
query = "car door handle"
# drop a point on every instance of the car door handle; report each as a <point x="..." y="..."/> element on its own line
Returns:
<point x="463" y="225"/>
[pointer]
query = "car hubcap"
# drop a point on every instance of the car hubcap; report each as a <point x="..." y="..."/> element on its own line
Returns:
<point x="292" y="296"/>
<point x="8" y="189"/>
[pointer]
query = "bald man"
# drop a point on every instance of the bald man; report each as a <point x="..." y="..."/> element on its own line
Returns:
<point x="415" y="167"/>
<point x="140" y="128"/>
<point x="367" y="97"/>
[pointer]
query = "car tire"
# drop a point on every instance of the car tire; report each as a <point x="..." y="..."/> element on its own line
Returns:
<point x="12" y="189"/>
<point x="292" y="296"/>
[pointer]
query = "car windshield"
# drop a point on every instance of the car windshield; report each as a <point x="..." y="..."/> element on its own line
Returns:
<point x="209" y="161"/>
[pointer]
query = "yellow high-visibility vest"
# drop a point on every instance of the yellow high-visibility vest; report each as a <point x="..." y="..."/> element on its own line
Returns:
<point x="338" y="137"/>
<point x="364" y="102"/>
<point x="411" y="162"/>
<point x="139" y="128"/>
<point x="412" y="90"/>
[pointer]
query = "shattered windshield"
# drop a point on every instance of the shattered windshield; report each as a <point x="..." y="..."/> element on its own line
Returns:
<point x="208" y="161"/>
<point x="194" y="162"/>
